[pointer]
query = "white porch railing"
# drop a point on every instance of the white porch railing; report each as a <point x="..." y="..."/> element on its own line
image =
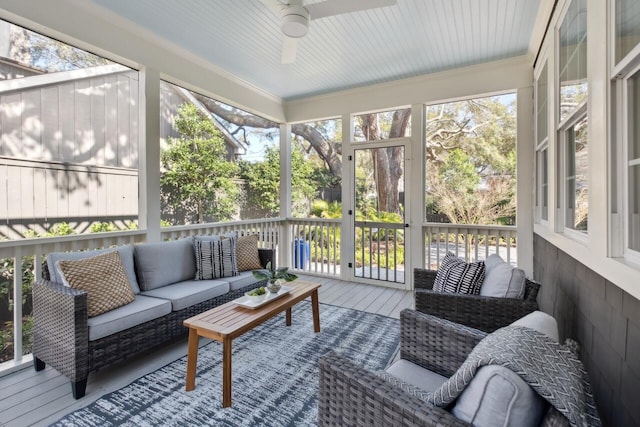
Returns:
<point x="380" y="250"/>
<point x="315" y="245"/>
<point x="471" y="242"/>
<point x="311" y="245"/>
<point x="266" y="229"/>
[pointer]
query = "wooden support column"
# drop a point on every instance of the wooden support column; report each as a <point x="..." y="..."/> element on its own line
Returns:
<point x="149" y="155"/>
<point x="284" y="234"/>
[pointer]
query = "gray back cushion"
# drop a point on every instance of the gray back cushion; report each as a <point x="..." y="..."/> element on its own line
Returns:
<point x="161" y="264"/>
<point x="541" y="322"/>
<point x="502" y="279"/>
<point x="499" y="397"/>
<point x="126" y="257"/>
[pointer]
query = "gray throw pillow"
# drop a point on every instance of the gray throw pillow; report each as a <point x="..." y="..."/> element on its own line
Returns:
<point x="164" y="263"/>
<point x="457" y="276"/>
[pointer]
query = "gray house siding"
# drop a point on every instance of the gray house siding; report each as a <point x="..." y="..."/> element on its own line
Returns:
<point x="604" y="319"/>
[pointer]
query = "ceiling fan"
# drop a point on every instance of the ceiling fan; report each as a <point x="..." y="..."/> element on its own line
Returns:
<point x="295" y="17"/>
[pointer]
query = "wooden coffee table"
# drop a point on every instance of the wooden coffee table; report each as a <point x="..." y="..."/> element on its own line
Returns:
<point x="229" y="321"/>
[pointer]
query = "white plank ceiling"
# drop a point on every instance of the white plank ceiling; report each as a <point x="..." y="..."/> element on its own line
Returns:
<point x="412" y="38"/>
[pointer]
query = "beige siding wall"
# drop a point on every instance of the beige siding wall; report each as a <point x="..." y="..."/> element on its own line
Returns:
<point x="90" y="121"/>
<point x="69" y="152"/>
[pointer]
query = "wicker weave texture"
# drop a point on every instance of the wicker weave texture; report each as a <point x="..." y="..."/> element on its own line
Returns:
<point x="61" y="334"/>
<point x="484" y="313"/>
<point x="350" y="395"/>
<point x="436" y="344"/>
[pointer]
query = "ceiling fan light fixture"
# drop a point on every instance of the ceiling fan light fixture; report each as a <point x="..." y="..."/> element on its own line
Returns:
<point x="295" y="21"/>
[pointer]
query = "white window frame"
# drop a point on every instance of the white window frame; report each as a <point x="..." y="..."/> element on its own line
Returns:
<point x="576" y="115"/>
<point x="624" y="163"/>
<point x="621" y="73"/>
<point x="541" y="148"/>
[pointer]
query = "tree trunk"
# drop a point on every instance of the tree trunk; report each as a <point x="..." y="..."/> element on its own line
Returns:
<point x="388" y="162"/>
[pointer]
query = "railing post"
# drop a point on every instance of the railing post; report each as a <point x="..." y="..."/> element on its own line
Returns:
<point x="284" y="244"/>
<point x="17" y="304"/>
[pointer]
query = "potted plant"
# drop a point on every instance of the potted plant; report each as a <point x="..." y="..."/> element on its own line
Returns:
<point x="274" y="277"/>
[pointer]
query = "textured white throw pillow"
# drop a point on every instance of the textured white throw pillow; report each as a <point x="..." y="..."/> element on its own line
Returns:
<point x="502" y="279"/>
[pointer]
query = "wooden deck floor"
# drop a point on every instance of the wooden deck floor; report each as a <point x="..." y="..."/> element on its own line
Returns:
<point x="40" y="398"/>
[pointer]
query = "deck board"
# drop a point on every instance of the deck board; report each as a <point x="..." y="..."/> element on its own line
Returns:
<point x="40" y="398"/>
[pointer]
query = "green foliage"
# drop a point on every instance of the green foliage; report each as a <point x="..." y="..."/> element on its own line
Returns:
<point x="270" y="274"/>
<point x="471" y="160"/>
<point x="6" y="338"/>
<point x="263" y="179"/>
<point x="324" y="209"/>
<point x="459" y="173"/>
<point x="197" y="177"/>
<point x="102" y="227"/>
<point x="59" y="229"/>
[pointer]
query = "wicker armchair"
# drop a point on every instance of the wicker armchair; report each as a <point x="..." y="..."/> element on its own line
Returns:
<point x="484" y="313"/>
<point x="350" y="395"/>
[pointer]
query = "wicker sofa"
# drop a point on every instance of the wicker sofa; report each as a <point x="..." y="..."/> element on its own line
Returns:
<point x="479" y="312"/>
<point x="75" y="345"/>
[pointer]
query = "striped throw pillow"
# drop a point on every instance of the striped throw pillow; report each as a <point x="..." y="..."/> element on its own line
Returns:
<point x="457" y="276"/>
<point x="215" y="257"/>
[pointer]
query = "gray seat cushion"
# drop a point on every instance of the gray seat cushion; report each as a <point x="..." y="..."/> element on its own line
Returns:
<point x="126" y="257"/>
<point x="161" y="264"/>
<point x="190" y="292"/>
<point x="240" y="281"/>
<point x="416" y="375"/>
<point x="142" y="309"/>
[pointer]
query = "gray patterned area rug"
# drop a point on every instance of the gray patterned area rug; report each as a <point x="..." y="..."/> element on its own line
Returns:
<point x="275" y="375"/>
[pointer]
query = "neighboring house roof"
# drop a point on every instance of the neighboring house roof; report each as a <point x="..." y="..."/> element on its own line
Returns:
<point x="49" y="79"/>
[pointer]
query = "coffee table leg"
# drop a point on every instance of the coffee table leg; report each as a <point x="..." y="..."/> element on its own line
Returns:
<point x="289" y="316"/>
<point x="226" y="373"/>
<point x="192" y="359"/>
<point x="316" y="311"/>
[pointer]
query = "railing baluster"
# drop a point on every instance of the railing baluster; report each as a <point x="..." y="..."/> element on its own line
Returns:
<point x="17" y="304"/>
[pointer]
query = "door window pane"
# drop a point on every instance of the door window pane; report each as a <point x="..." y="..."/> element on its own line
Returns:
<point x="627" y="27"/>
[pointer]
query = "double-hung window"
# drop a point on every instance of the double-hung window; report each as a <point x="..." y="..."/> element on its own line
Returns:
<point x="573" y="186"/>
<point x="625" y="152"/>
<point x="542" y="142"/>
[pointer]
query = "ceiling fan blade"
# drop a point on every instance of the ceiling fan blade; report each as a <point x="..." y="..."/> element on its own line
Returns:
<point x="338" y="7"/>
<point x="289" y="48"/>
<point x="274" y="5"/>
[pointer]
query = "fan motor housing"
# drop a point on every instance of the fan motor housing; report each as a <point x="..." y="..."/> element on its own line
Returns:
<point x="295" y="21"/>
